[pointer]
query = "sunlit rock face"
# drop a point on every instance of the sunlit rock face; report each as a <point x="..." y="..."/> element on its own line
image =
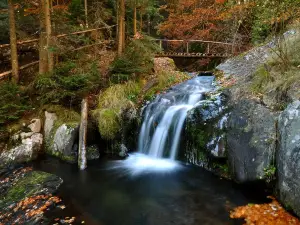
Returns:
<point x="288" y="157"/>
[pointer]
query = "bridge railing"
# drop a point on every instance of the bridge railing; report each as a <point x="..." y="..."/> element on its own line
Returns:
<point x="195" y="46"/>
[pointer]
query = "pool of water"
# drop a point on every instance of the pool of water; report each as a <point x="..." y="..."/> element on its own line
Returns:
<point x="139" y="191"/>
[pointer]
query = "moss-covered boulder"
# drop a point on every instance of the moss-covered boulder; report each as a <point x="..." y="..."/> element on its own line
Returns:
<point x="205" y="134"/>
<point x="61" y="133"/>
<point x="26" y="194"/>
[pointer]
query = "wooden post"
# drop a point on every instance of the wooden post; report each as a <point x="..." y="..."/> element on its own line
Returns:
<point x="13" y="42"/>
<point x="160" y="45"/>
<point x="82" y="162"/>
<point x="207" y="48"/>
<point x="187" y="47"/>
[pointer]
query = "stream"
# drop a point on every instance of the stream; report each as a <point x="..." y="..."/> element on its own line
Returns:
<point x="151" y="187"/>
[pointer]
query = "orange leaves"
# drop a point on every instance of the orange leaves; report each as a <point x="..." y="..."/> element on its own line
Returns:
<point x="220" y="1"/>
<point x="264" y="214"/>
<point x="191" y="20"/>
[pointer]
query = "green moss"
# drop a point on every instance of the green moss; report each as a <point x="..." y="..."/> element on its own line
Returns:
<point x="111" y="103"/>
<point x="24" y="187"/>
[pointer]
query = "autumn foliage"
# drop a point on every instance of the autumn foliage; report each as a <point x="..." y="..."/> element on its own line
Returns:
<point x="264" y="214"/>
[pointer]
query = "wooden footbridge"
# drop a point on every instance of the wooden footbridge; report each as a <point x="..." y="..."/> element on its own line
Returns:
<point x="194" y="49"/>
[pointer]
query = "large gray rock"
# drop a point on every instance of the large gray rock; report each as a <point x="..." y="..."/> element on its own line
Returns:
<point x="28" y="149"/>
<point x="288" y="157"/>
<point x="61" y="136"/>
<point x="251" y="139"/>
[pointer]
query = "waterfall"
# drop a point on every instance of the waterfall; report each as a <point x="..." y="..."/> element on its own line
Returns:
<point x="165" y="116"/>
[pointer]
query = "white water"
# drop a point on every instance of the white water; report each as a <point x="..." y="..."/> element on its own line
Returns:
<point x="165" y="116"/>
<point x="163" y="122"/>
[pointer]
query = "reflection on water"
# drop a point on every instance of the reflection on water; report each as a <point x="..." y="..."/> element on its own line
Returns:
<point x="114" y="193"/>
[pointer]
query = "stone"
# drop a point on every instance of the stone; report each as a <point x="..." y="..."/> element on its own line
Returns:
<point x="50" y="119"/>
<point x="123" y="151"/>
<point x="288" y="157"/>
<point x="251" y="139"/>
<point x="93" y="152"/>
<point x="63" y="141"/>
<point x="35" y="126"/>
<point x="27" y="150"/>
<point x="24" y="185"/>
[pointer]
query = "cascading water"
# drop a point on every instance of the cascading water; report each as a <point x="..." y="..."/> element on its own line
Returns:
<point x="163" y="122"/>
<point x="165" y="116"/>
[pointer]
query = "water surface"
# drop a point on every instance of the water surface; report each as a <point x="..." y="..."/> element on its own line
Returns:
<point x="113" y="193"/>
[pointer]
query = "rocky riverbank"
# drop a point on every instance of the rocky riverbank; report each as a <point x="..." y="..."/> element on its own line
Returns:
<point x="263" y="130"/>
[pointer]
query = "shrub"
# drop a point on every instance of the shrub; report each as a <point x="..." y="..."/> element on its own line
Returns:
<point x="136" y="60"/>
<point x="13" y="102"/>
<point x="67" y="84"/>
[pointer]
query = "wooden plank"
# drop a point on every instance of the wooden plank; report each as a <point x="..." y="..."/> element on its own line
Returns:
<point x="7" y="73"/>
<point x="202" y="41"/>
<point x="57" y="36"/>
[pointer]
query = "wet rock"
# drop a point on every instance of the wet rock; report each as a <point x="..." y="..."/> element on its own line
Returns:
<point x="26" y="194"/>
<point x="288" y="157"/>
<point x="217" y="146"/>
<point x="123" y="151"/>
<point x="27" y="150"/>
<point x="63" y="141"/>
<point x="251" y="139"/>
<point x="92" y="152"/>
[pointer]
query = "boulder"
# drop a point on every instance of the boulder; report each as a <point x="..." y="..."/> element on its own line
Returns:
<point x="62" y="140"/>
<point x="251" y="139"/>
<point x="92" y="152"/>
<point x="28" y="149"/>
<point x="288" y="157"/>
<point x="25" y="196"/>
<point x="61" y="135"/>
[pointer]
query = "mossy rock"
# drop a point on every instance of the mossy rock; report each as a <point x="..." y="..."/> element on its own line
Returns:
<point x="62" y="138"/>
<point x="30" y="184"/>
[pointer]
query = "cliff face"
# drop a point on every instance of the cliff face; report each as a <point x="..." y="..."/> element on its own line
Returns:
<point x="263" y="133"/>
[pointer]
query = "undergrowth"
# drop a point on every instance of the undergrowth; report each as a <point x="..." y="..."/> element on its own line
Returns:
<point x="67" y="85"/>
<point x="136" y="61"/>
<point x="111" y="103"/>
<point x="13" y="102"/>
<point x="280" y="76"/>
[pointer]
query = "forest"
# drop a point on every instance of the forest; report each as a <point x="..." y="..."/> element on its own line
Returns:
<point x="134" y="90"/>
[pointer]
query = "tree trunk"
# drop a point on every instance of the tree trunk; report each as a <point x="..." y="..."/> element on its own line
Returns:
<point x="43" y="55"/>
<point x="121" y="30"/>
<point x="13" y="42"/>
<point x="149" y="24"/>
<point x="82" y="162"/>
<point x="134" y="20"/>
<point x="86" y="13"/>
<point x="141" y="22"/>
<point x="49" y="35"/>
